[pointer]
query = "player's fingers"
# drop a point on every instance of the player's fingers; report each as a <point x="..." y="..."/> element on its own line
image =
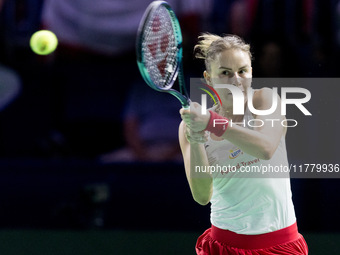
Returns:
<point x="195" y="137"/>
<point x="184" y="111"/>
<point x="195" y="105"/>
<point x="186" y="118"/>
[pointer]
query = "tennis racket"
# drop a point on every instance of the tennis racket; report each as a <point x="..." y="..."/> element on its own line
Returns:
<point x="159" y="50"/>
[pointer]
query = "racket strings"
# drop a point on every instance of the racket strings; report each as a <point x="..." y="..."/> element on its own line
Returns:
<point x="160" y="49"/>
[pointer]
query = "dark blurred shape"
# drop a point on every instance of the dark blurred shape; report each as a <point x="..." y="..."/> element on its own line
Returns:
<point x="151" y="121"/>
<point x="270" y="60"/>
<point x="10" y="86"/>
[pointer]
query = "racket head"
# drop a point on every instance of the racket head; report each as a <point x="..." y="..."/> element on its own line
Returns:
<point x="159" y="46"/>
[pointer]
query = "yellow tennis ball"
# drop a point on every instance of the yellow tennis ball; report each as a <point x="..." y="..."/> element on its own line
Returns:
<point x="43" y="42"/>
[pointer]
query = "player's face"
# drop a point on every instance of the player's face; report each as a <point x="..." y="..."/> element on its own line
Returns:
<point x="230" y="67"/>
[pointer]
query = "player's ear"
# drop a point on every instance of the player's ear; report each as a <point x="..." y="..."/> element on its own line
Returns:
<point x="207" y="77"/>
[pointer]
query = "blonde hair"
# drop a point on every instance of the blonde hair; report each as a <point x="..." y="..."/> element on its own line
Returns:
<point x="210" y="45"/>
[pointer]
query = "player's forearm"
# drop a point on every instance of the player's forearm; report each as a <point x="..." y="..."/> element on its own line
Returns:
<point x="251" y="142"/>
<point x="195" y="155"/>
<point x="200" y="182"/>
<point x="264" y="139"/>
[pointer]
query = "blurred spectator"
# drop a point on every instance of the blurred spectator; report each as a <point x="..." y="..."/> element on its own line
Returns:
<point x="270" y="60"/>
<point x="151" y="123"/>
<point x="10" y="83"/>
<point x="242" y="14"/>
<point x="93" y="69"/>
<point x="95" y="66"/>
<point x="10" y="86"/>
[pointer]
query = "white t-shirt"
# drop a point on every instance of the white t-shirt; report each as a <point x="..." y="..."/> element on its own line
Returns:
<point x="245" y="202"/>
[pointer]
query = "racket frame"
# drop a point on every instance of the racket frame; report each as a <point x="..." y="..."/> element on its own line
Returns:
<point x="182" y="96"/>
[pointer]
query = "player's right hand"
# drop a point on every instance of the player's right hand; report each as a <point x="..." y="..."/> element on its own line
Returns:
<point x="193" y="117"/>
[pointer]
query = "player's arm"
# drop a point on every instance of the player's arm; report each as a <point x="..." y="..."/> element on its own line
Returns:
<point x="194" y="154"/>
<point x="262" y="141"/>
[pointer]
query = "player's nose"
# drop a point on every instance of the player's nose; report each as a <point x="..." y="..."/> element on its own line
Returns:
<point x="235" y="79"/>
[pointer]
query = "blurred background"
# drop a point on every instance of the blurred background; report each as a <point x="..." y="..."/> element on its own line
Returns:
<point x="89" y="157"/>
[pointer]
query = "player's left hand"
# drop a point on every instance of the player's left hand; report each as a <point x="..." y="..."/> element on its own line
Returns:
<point x="194" y="118"/>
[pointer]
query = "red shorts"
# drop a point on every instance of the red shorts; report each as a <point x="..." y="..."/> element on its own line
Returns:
<point x="287" y="241"/>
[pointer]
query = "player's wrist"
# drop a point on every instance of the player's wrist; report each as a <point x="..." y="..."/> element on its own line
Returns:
<point x="217" y="124"/>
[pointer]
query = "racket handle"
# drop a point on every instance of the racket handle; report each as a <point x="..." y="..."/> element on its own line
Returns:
<point x="186" y="105"/>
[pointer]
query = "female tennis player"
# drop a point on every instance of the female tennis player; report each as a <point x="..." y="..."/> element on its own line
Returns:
<point x="249" y="215"/>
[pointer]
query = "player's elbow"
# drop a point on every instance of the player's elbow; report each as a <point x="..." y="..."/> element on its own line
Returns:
<point x="202" y="200"/>
<point x="267" y="153"/>
<point x="201" y="189"/>
<point x="266" y="156"/>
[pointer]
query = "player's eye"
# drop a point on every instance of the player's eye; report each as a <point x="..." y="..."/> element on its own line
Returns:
<point x="227" y="73"/>
<point x="242" y="71"/>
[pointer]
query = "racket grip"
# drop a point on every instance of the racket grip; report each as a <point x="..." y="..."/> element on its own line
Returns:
<point x="186" y="106"/>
